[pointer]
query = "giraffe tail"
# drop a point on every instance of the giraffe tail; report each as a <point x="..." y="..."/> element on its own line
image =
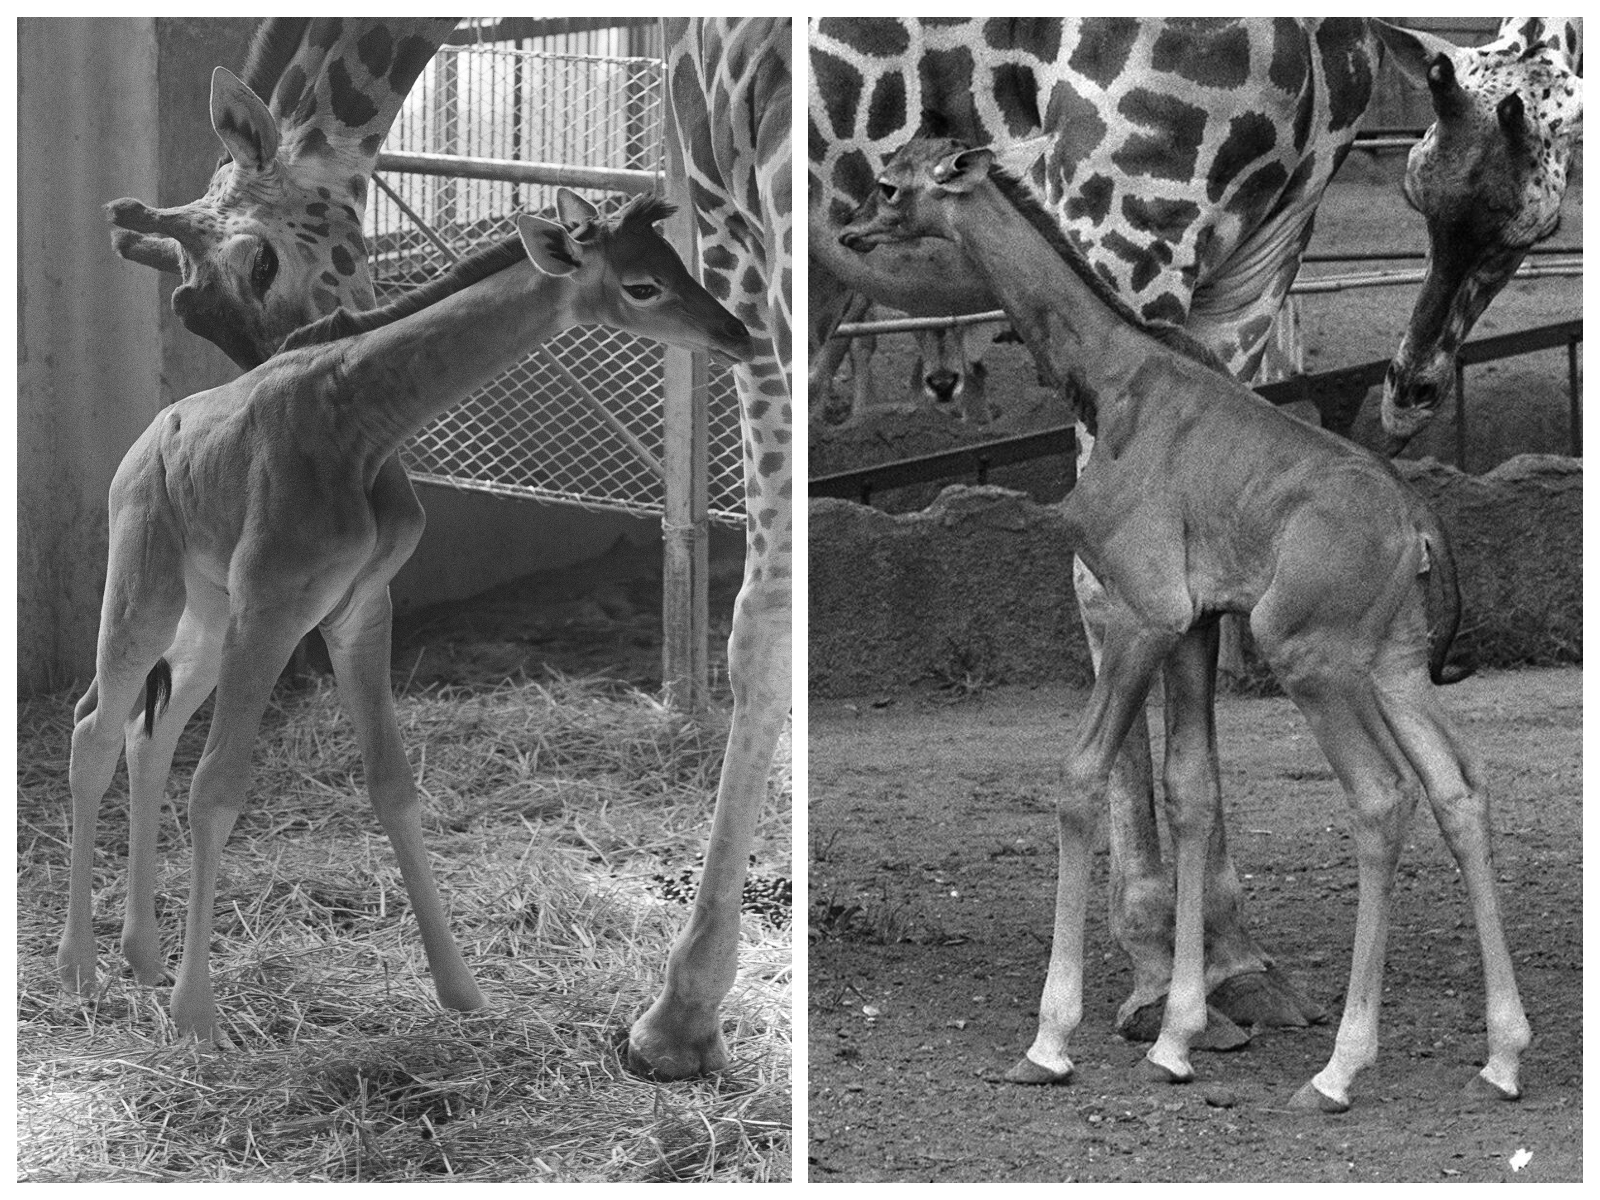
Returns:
<point x="1444" y="609"/>
<point x="157" y="692"/>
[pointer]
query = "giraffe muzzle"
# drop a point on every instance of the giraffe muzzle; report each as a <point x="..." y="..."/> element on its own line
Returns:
<point x="859" y="240"/>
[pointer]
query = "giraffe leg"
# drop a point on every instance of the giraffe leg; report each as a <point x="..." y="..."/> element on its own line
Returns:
<point x="1460" y="803"/>
<point x="358" y="639"/>
<point x="255" y="649"/>
<point x="1193" y="796"/>
<point x="195" y="658"/>
<point x="1141" y="896"/>
<point x="143" y="604"/>
<point x="681" y="1034"/>
<point x="1345" y="716"/>
<point x="1127" y="669"/>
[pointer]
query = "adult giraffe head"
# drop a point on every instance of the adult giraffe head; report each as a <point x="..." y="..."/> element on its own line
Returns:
<point x="1488" y="178"/>
<point x="276" y="241"/>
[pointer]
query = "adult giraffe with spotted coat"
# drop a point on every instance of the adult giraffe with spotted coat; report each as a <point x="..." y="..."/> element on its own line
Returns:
<point x="1186" y="160"/>
<point x="729" y="84"/>
<point x="276" y="243"/>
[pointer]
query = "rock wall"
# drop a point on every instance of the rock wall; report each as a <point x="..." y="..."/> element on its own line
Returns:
<point x="978" y="586"/>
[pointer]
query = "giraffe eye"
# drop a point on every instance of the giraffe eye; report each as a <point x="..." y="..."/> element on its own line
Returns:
<point x="887" y="192"/>
<point x="264" y="269"/>
<point x="642" y="291"/>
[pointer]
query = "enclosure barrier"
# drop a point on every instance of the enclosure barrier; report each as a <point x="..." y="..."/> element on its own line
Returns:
<point x="594" y="418"/>
<point x="1337" y="395"/>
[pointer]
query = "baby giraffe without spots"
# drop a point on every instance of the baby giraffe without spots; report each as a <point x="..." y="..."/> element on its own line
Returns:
<point x="245" y="516"/>
<point x="1202" y="499"/>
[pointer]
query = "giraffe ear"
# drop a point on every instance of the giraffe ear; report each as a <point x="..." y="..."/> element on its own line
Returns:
<point x="572" y="208"/>
<point x="242" y="121"/>
<point x="1018" y="158"/>
<point x="550" y="247"/>
<point x="963" y="171"/>
<point x="1414" y="51"/>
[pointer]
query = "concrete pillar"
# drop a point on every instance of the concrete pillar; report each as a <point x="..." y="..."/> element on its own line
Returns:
<point x="106" y="108"/>
<point x="88" y="373"/>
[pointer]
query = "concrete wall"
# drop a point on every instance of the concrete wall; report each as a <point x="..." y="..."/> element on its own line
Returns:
<point x="100" y="351"/>
<point x="473" y="542"/>
<point x="980" y="583"/>
<point x="89" y="364"/>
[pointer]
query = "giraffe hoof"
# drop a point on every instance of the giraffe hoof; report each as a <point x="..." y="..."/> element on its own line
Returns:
<point x="1143" y="1024"/>
<point x="1153" y="1072"/>
<point x="664" y="1048"/>
<point x="1309" y="1099"/>
<point x="1220" y="1034"/>
<point x="78" y="979"/>
<point x="153" y="977"/>
<point x="1268" y="999"/>
<point x="1479" y="1088"/>
<point x="1031" y="1073"/>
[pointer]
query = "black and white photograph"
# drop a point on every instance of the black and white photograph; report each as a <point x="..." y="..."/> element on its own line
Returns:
<point x="404" y="630"/>
<point x="1195" y="605"/>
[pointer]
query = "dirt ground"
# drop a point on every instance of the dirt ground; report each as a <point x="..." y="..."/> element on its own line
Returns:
<point x="932" y="869"/>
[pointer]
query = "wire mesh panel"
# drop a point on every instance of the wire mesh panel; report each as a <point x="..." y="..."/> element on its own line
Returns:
<point x="529" y="433"/>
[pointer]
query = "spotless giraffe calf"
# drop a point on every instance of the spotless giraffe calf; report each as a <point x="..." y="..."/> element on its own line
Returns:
<point x="245" y="516"/>
<point x="1203" y="499"/>
<point x="259" y="257"/>
<point x="1186" y="160"/>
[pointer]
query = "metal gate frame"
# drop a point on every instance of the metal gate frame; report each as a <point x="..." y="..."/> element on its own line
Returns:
<point x="685" y="458"/>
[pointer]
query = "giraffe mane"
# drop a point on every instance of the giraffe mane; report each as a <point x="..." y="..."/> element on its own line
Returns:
<point x="342" y="323"/>
<point x="644" y="210"/>
<point x="1026" y="203"/>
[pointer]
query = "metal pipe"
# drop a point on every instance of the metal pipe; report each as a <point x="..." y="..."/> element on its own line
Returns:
<point x="1305" y="287"/>
<point x="613" y="179"/>
<point x="1575" y="415"/>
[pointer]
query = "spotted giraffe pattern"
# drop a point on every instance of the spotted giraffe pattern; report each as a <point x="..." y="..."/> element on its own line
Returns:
<point x="276" y="241"/>
<point x="729" y="84"/>
<point x="1489" y="176"/>
<point x="1186" y="158"/>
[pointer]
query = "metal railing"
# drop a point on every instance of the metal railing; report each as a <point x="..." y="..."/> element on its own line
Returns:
<point x="1337" y="394"/>
<point x="489" y="131"/>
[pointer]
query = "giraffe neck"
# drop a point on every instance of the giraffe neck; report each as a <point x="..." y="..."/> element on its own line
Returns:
<point x="1079" y="331"/>
<point x="729" y="81"/>
<point x="395" y="379"/>
<point x="339" y="94"/>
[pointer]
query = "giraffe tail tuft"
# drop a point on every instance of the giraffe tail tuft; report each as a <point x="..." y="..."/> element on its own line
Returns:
<point x="157" y="692"/>
<point x="1444" y="610"/>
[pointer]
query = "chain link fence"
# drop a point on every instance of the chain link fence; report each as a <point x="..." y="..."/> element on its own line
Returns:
<point x="529" y="433"/>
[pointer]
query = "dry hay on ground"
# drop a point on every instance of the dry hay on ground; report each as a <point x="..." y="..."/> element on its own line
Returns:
<point x="549" y="809"/>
